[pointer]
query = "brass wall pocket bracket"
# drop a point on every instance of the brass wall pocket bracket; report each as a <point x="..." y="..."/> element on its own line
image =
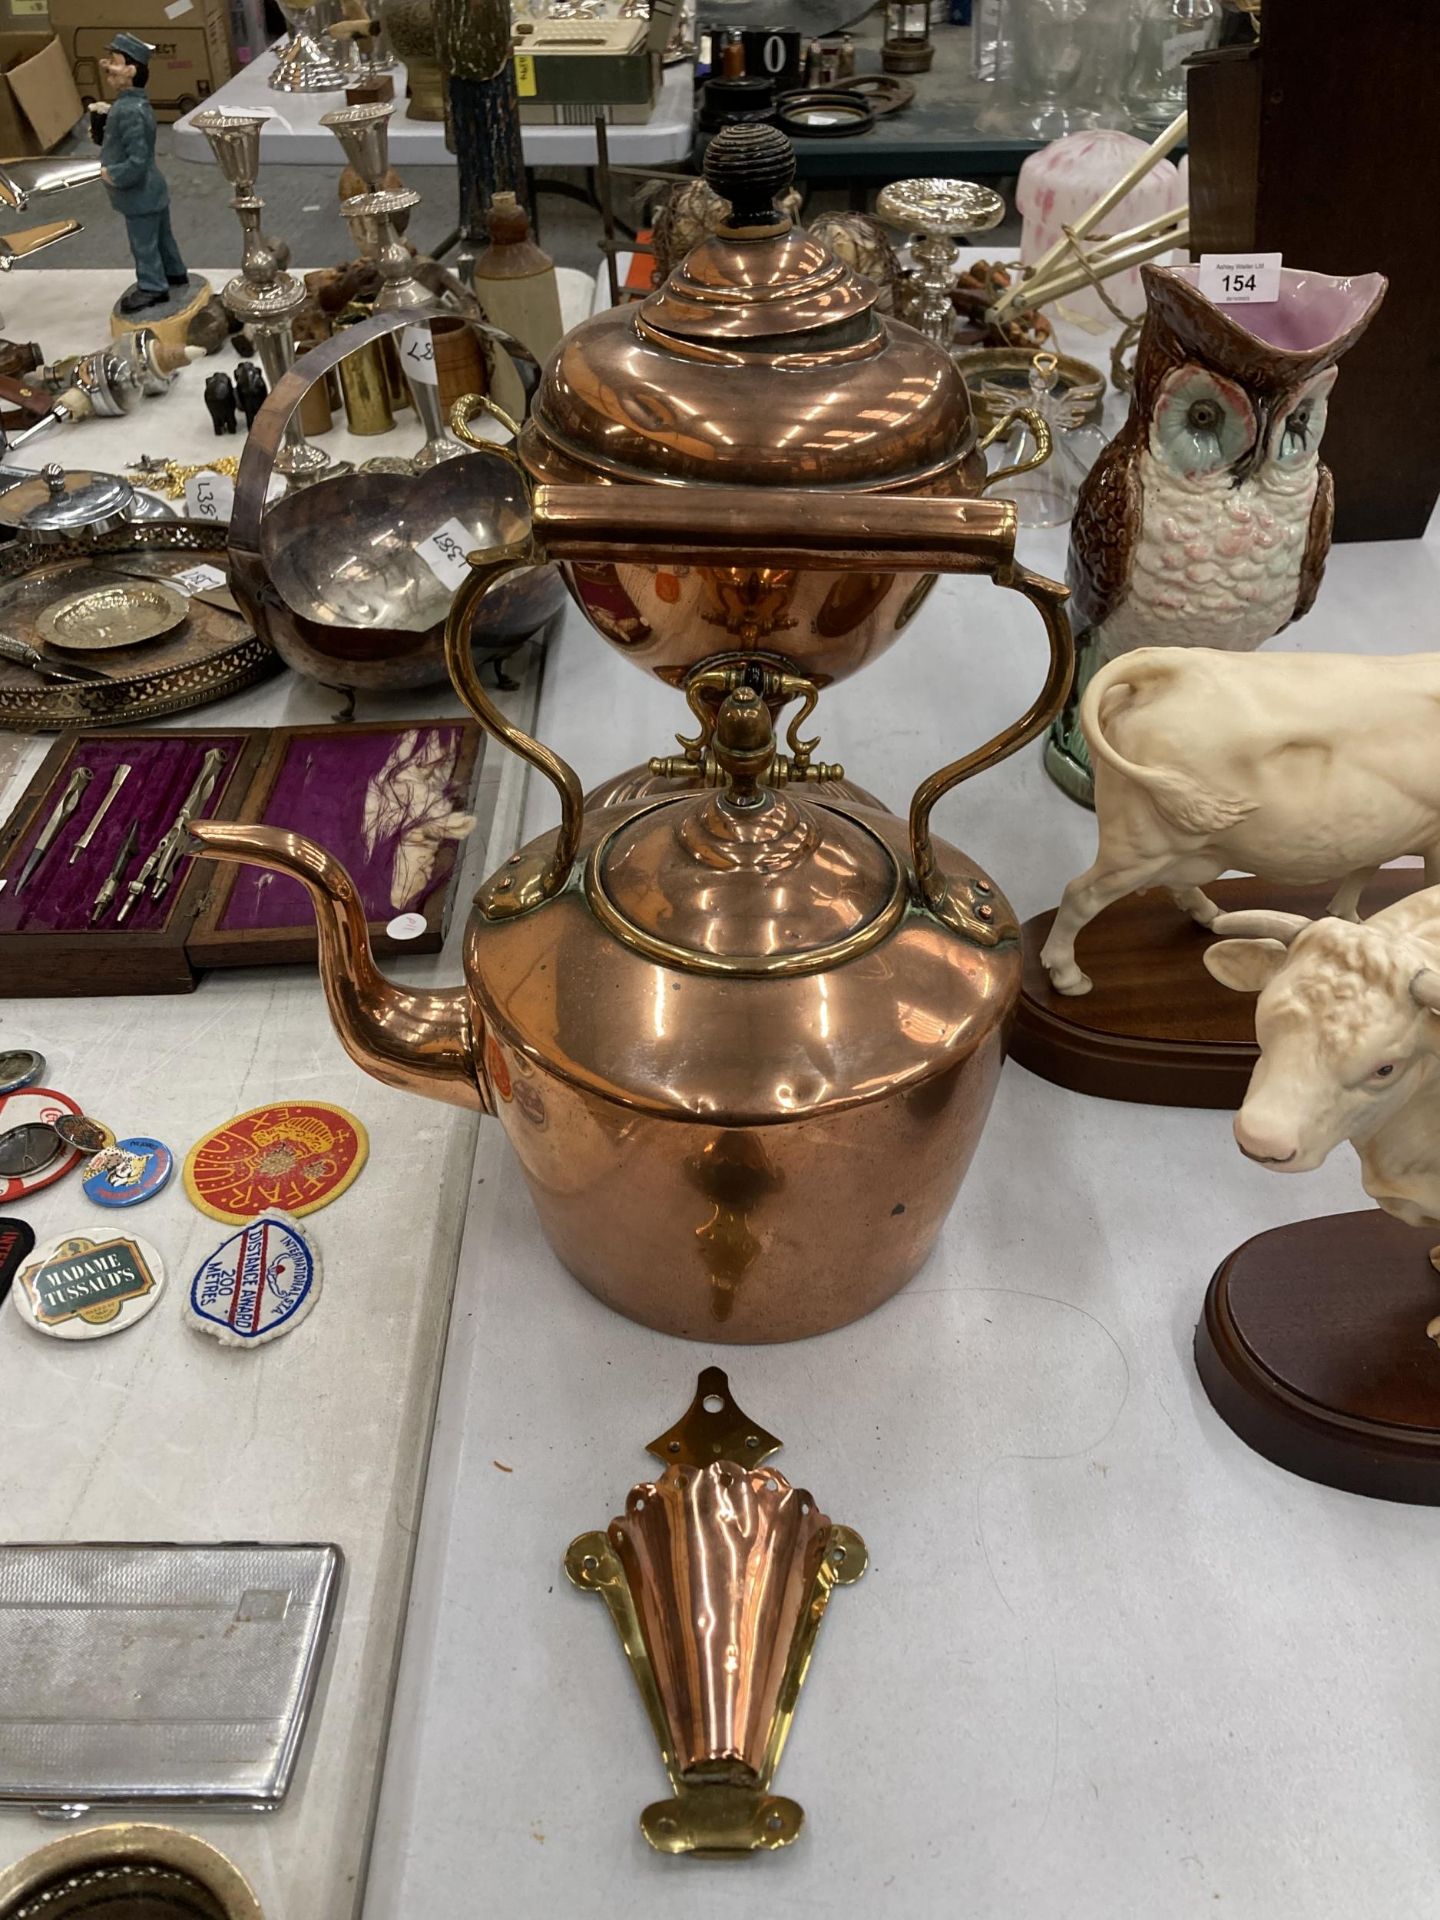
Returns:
<point x="717" y="1576"/>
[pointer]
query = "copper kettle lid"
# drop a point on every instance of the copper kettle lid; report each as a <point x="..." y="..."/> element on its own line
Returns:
<point x="745" y="879"/>
<point x="760" y="280"/>
<point x="763" y="360"/>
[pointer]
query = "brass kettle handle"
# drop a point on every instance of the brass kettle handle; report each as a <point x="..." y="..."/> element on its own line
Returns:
<point x="1039" y="432"/>
<point x="755" y="526"/>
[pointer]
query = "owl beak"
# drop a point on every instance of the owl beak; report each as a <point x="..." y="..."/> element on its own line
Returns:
<point x="1250" y="460"/>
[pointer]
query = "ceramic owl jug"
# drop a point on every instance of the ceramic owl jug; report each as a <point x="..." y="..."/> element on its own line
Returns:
<point x="1206" y="521"/>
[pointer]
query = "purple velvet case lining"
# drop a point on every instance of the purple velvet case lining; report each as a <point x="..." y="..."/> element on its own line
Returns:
<point x="58" y="898"/>
<point x="321" y="791"/>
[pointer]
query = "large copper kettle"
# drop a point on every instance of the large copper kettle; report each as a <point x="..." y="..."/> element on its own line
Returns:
<point x="743" y="1040"/>
<point x="762" y="361"/>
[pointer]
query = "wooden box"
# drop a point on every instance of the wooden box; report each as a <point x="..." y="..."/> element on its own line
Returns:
<point x="385" y="799"/>
<point x="1319" y="143"/>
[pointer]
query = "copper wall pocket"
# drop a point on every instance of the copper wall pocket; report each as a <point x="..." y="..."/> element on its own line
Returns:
<point x="717" y="1577"/>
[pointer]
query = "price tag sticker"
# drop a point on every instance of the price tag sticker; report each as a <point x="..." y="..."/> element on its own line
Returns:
<point x="406" y="926"/>
<point x="525" y="75"/>
<point x="1180" y="46"/>
<point x="1241" y="280"/>
<point x="198" y="579"/>
<point x="444" y="553"/>
<point x="417" y="355"/>
<point x="209" y="496"/>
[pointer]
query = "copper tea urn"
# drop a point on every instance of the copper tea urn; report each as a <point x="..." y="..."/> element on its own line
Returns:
<point x="763" y="361"/>
<point x="743" y="1039"/>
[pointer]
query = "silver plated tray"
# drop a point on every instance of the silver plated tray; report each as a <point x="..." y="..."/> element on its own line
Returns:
<point x="132" y="1675"/>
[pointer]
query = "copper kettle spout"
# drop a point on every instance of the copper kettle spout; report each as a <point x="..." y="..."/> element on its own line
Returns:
<point x="419" y="1042"/>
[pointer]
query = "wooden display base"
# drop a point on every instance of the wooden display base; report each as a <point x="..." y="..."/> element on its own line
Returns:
<point x="1155" y="1027"/>
<point x="172" y="320"/>
<point x="1312" y="1348"/>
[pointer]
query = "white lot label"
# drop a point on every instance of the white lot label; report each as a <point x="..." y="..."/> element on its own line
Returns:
<point x="1240" y="280"/>
<point x="417" y="355"/>
<point x="209" y="496"/>
<point x="406" y="926"/>
<point x="444" y="553"/>
<point x="198" y="579"/>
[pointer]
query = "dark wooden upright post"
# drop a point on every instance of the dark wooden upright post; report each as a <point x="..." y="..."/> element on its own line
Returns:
<point x="473" y="40"/>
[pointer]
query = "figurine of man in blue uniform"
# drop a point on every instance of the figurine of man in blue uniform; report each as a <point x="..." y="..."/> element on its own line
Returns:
<point x="136" y="185"/>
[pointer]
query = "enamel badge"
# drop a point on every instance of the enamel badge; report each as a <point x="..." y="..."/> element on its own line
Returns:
<point x="295" y="1155"/>
<point x="128" y="1172"/>
<point x="82" y="1285"/>
<point x="259" y="1284"/>
<point x="16" y="1240"/>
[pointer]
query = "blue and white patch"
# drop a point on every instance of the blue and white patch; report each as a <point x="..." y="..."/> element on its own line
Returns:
<point x="259" y="1284"/>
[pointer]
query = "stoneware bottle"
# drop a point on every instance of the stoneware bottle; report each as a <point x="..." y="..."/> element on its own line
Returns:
<point x="515" y="284"/>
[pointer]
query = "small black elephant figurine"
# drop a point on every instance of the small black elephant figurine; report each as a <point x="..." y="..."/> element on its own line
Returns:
<point x="220" y="402"/>
<point x="250" y="390"/>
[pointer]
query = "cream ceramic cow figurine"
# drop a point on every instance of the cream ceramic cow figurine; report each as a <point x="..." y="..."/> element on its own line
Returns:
<point x="1349" y="1046"/>
<point x="1298" y="767"/>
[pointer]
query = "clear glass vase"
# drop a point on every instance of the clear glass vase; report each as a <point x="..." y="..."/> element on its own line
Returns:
<point x="1168" y="32"/>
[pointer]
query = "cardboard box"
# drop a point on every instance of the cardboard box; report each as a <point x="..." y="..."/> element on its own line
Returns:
<point x="193" y="55"/>
<point x="38" y="101"/>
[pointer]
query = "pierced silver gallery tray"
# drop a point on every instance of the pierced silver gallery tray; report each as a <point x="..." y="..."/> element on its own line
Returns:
<point x="137" y="1674"/>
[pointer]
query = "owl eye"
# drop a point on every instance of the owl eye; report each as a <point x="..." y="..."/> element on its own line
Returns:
<point x="1296" y="434"/>
<point x="1202" y="423"/>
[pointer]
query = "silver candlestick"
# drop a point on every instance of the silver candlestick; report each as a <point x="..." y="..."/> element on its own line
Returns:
<point x="262" y="296"/>
<point x="371" y="219"/>
<point x="364" y="133"/>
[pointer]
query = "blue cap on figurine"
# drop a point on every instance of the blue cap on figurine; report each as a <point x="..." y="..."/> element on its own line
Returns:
<point x="137" y="51"/>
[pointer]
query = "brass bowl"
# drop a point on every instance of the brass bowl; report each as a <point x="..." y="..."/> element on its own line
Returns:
<point x="113" y="616"/>
<point x="128" y="1868"/>
<point x="1008" y="368"/>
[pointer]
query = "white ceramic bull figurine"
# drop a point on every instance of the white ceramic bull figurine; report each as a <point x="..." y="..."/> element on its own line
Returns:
<point x="1349" y="1046"/>
<point x="1298" y="767"/>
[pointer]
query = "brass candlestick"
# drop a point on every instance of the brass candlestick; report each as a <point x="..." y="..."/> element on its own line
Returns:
<point x="371" y="219"/>
<point x="262" y="296"/>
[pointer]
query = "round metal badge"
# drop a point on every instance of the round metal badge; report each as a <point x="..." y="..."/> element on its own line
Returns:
<point x="37" y="1106"/>
<point x="28" y="1148"/>
<point x="295" y="1155"/>
<point x="81" y="1286"/>
<point x="19" y="1066"/>
<point x="78" y="1130"/>
<point x="129" y="1172"/>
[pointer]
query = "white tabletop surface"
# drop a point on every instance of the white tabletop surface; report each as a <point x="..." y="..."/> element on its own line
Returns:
<point x="159" y="1434"/>
<point x="1107" y="1664"/>
<point x="296" y="135"/>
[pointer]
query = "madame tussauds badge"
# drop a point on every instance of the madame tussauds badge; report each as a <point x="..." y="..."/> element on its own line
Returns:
<point x="82" y="1285"/>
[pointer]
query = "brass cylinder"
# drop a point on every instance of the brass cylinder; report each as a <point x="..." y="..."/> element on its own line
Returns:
<point x="396" y="386"/>
<point x="367" y="397"/>
<point x="315" y="414"/>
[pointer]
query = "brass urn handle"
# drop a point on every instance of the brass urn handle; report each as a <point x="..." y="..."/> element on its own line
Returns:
<point x="758" y="526"/>
<point x="1039" y="432"/>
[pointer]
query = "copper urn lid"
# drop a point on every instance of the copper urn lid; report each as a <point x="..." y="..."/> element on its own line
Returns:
<point x="762" y="360"/>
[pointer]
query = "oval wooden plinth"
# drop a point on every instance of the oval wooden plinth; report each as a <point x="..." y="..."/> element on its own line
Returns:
<point x="1312" y="1348"/>
<point x="171" y="320"/>
<point x="1156" y="1027"/>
